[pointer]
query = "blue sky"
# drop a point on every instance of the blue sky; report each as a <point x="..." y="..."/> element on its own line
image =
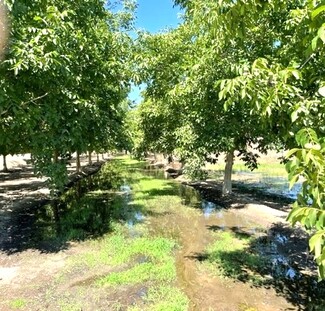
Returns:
<point x="154" y="16"/>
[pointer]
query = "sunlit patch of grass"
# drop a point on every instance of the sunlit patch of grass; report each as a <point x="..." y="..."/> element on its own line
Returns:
<point x="117" y="249"/>
<point x="230" y="257"/>
<point x="136" y="164"/>
<point x="18" y="303"/>
<point x="143" y="258"/>
<point x="158" y="271"/>
<point x="164" y="298"/>
<point x="265" y="167"/>
<point x="246" y="307"/>
<point x="155" y="256"/>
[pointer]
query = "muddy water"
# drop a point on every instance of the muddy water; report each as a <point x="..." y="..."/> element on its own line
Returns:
<point x="193" y="225"/>
<point x="205" y="291"/>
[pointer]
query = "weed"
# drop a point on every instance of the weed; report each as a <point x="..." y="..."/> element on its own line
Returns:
<point x="230" y="257"/>
<point x="64" y="306"/>
<point x="18" y="303"/>
<point x="164" y="298"/>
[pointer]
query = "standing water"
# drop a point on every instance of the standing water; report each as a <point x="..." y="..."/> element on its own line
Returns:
<point x="224" y="260"/>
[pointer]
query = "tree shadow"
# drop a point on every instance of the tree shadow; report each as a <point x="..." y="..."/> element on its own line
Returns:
<point x="51" y="226"/>
<point x="166" y="191"/>
<point x="276" y="258"/>
<point x="86" y="210"/>
<point x="241" y="195"/>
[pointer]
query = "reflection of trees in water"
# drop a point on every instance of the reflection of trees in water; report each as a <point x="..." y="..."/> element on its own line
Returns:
<point x="84" y="211"/>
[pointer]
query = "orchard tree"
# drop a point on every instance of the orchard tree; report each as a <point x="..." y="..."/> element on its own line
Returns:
<point x="66" y="70"/>
<point x="183" y="70"/>
<point x="256" y="69"/>
<point x="288" y="91"/>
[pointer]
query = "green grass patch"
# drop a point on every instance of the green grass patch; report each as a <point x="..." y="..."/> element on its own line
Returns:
<point x="273" y="169"/>
<point x="117" y="249"/>
<point x="158" y="271"/>
<point x="231" y="256"/>
<point x="164" y="298"/>
<point x="131" y="163"/>
<point x="18" y="303"/>
<point x="140" y="259"/>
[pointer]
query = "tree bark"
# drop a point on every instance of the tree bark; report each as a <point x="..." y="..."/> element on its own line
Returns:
<point x="78" y="162"/>
<point x="5" y="168"/>
<point x="97" y="157"/>
<point x="55" y="156"/>
<point x="227" y="184"/>
<point x="89" y="158"/>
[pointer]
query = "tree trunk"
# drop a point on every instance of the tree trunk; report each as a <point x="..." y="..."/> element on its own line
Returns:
<point x="78" y="162"/>
<point x="56" y="213"/>
<point x="103" y="156"/>
<point x="227" y="184"/>
<point x="89" y="158"/>
<point x="55" y="156"/>
<point x="5" y="168"/>
<point x="97" y="157"/>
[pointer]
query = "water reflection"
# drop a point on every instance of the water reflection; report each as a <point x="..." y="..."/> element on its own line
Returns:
<point x="135" y="217"/>
<point x="281" y="239"/>
<point x="208" y="208"/>
<point x="274" y="185"/>
<point x="126" y="189"/>
<point x="86" y="210"/>
<point x="281" y="268"/>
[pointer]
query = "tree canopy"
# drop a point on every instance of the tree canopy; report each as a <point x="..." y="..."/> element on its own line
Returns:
<point x="241" y="73"/>
<point x="65" y="80"/>
<point x="233" y="74"/>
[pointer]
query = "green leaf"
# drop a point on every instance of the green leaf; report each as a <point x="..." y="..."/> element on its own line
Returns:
<point x="321" y="91"/>
<point x="317" y="11"/>
<point x="314" y="43"/>
<point x="321" y="33"/>
<point x="316" y="243"/>
<point x="291" y="152"/>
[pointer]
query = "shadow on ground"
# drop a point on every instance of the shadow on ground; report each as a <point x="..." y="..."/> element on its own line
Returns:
<point x="85" y="211"/>
<point x="276" y="258"/>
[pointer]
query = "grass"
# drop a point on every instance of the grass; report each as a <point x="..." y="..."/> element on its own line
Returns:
<point x="145" y="259"/>
<point x="117" y="248"/>
<point x="273" y="169"/>
<point x="164" y="298"/>
<point x="230" y="256"/>
<point x="18" y="303"/>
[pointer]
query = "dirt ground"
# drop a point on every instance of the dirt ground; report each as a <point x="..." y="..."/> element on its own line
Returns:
<point x="26" y="272"/>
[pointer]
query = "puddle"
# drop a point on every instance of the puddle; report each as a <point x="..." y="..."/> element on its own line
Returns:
<point x="282" y="271"/>
<point x="126" y="189"/>
<point x="86" y="210"/>
<point x="273" y="185"/>
<point x="134" y="218"/>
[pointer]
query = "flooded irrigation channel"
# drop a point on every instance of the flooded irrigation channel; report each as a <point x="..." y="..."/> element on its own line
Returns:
<point x="130" y="239"/>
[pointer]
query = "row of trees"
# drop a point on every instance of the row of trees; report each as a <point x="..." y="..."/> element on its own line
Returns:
<point x="236" y="74"/>
<point x="232" y="75"/>
<point x="64" y="80"/>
